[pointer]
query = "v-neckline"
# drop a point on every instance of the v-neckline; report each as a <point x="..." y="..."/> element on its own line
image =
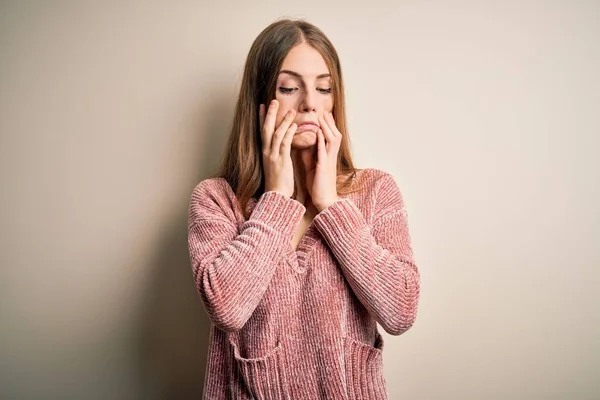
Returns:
<point x="306" y="245"/>
<point x="305" y="236"/>
<point x="298" y="258"/>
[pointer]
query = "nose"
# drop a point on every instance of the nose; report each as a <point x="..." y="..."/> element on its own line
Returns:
<point x="307" y="103"/>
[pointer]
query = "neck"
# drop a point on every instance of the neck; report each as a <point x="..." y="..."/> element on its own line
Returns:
<point x="304" y="161"/>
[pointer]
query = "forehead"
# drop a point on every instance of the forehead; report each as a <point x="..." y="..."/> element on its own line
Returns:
<point x="305" y="60"/>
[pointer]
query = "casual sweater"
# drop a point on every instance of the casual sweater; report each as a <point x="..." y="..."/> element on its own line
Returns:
<point x="301" y="323"/>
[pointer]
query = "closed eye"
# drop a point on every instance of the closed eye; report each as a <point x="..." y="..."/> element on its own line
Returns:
<point x="285" y="90"/>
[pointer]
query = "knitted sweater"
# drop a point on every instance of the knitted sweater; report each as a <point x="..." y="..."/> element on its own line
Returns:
<point x="301" y="323"/>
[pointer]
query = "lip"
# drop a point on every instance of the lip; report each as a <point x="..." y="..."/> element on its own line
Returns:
<point x="307" y="123"/>
<point x="307" y="127"/>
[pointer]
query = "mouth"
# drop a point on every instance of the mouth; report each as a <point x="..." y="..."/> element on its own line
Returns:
<point x="307" y="123"/>
<point x="307" y="126"/>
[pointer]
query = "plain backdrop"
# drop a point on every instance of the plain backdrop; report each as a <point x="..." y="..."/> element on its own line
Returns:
<point x="486" y="113"/>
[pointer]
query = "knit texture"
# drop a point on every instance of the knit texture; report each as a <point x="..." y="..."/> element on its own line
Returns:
<point x="302" y="323"/>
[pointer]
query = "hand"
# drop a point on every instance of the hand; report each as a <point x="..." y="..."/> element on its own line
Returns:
<point x="324" y="176"/>
<point x="276" y="149"/>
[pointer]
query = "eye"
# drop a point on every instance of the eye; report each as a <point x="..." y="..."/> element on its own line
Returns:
<point x="322" y="90"/>
<point x="285" y="90"/>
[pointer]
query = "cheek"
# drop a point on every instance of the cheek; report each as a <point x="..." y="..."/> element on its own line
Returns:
<point x="280" y="115"/>
<point x="329" y="104"/>
<point x="284" y="107"/>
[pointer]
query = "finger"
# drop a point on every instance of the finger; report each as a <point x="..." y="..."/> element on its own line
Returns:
<point x="326" y="130"/>
<point x="331" y="120"/>
<point x="321" y="150"/>
<point x="269" y="124"/>
<point x="282" y="129"/>
<point x="286" y="143"/>
<point x="336" y="136"/>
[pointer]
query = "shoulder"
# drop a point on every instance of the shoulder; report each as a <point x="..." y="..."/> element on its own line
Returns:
<point x="213" y="198"/>
<point x="372" y="179"/>
<point x="377" y="174"/>
<point x="212" y="187"/>
<point x="383" y="188"/>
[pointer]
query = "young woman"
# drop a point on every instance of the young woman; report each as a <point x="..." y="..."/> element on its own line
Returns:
<point x="297" y="254"/>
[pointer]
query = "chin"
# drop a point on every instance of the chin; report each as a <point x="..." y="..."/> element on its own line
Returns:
<point x="304" y="140"/>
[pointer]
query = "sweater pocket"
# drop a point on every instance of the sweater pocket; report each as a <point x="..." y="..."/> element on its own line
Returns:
<point x="364" y="369"/>
<point x="260" y="378"/>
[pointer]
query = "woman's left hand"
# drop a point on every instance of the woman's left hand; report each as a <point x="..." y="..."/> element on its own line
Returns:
<point x="324" y="185"/>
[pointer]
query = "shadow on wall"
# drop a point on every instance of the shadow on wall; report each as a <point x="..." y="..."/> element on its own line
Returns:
<point x="174" y="330"/>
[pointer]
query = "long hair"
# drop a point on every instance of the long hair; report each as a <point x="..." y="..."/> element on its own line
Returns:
<point x="242" y="163"/>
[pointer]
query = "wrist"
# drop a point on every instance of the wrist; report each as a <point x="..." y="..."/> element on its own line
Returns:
<point x="321" y="206"/>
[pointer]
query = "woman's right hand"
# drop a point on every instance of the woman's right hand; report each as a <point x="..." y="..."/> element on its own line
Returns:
<point x="276" y="149"/>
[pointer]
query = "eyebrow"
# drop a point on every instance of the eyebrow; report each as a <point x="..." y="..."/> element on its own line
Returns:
<point x="287" y="71"/>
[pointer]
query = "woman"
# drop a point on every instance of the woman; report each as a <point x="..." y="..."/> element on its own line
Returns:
<point x="296" y="253"/>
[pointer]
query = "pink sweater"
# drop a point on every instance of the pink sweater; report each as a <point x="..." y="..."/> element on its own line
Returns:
<point x="301" y="324"/>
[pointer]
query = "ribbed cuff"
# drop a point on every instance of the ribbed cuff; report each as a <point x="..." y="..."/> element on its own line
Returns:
<point x="278" y="211"/>
<point x="340" y="219"/>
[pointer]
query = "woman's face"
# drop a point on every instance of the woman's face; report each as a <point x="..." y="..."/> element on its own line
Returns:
<point x="304" y="85"/>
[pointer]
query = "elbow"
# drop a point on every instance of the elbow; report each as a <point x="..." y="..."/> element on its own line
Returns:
<point x="402" y="321"/>
<point x="227" y="324"/>
<point x="407" y="305"/>
<point x="224" y="311"/>
<point x="397" y="328"/>
<point x="224" y="314"/>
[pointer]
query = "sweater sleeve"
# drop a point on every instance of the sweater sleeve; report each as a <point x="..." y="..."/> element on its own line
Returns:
<point x="377" y="261"/>
<point x="233" y="270"/>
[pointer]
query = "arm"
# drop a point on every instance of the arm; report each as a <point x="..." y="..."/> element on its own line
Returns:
<point x="232" y="271"/>
<point x="377" y="262"/>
